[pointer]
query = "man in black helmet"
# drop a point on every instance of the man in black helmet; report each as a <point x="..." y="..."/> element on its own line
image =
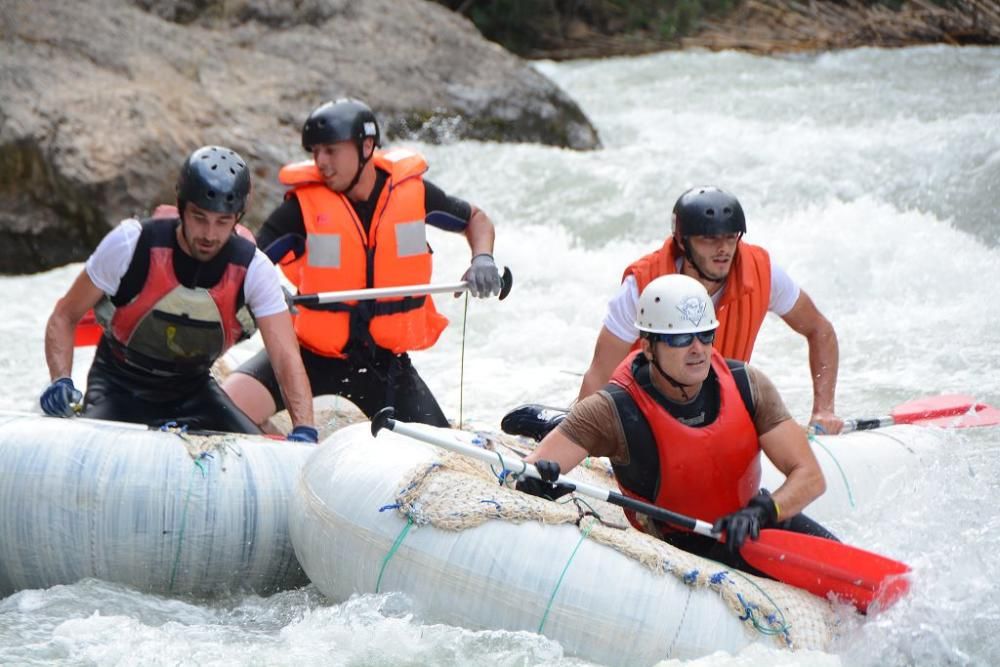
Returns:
<point x="173" y="294"/>
<point x="355" y="217"/>
<point x="706" y="244"/>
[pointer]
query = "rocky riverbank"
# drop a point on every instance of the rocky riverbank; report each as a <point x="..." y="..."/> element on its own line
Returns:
<point x="783" y="26"/>
<point x="100" y="101"/>
<point x="595" y="29"/>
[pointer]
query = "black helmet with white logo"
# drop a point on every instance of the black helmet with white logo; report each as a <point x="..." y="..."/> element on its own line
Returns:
<point x="345" y="119"/>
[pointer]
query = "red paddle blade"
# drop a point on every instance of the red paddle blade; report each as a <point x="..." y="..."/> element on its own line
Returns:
<point x="950" y="411"/>
<point x="88" y="331"/>
<point x="823" y="566"/>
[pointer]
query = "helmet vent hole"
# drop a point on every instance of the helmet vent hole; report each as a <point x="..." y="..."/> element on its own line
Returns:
<point x="657" y="300"/>
<point x="210" y="194"/>
<point x="710" y="211"/>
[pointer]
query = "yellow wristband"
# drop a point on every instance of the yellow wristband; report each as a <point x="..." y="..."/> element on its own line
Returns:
<point x="777" y="511"/>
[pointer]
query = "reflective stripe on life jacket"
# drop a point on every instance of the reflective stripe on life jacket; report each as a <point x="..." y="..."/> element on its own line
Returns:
<point x="341" y="255"/>
<point x="704" y="472"/>
<point x="166" y="328"/>
<point x="744" y="302"/>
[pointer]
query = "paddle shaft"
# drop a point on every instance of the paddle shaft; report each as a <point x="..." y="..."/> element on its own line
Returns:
<point x="88" y="331"/>
<point x="867" y="424"/>
<point x="371" y="294"/>
<point x="521" y="467"/>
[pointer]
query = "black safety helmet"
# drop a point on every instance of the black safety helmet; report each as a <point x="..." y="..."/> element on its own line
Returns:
<point x="345" y="119"/>
<point x="216" y="179"/>
<point x="708" y="211"/>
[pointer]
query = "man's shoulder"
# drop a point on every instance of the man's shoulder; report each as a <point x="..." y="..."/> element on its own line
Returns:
<point x="758" y="251"/>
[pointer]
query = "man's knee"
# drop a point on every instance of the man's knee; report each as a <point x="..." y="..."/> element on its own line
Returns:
<point x="251" y="396"/>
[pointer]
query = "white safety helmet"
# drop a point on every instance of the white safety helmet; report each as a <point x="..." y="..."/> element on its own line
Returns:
<point x="675" y="304"/>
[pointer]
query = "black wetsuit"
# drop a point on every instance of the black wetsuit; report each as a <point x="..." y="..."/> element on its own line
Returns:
<point x="641" y="475"/>
<point x="122" y="385"/>
<point x="370" y="376"/>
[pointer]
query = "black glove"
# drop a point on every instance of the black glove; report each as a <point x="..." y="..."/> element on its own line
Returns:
<point x="760" y="512"/>
<point x="545" y="487"/>
<point x="303" y="434"/>
<point x="532" y="420"/>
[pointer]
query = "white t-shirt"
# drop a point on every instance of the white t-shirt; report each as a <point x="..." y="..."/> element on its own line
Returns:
<point x="620" y="318"/>
<point x="108" y="263"/>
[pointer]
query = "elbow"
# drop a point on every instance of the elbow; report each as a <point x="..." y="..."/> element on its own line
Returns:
<point x="818" y="483"/>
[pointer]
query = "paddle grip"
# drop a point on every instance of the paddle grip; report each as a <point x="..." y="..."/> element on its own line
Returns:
<point x="506" y="282"/>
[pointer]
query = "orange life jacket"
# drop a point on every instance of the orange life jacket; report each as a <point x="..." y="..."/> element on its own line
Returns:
<point x="340" y="255"/>
<point x="167" y="328"/>
<point x="704" y="472"/>
<point x="744" y="303"/>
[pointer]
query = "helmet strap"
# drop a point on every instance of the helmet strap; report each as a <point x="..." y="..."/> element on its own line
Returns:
<point x="690" y="258"/>
<point x="362" y="161"/>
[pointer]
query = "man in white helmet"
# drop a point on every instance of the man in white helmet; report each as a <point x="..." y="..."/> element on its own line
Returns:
<point x="684" y="429"/>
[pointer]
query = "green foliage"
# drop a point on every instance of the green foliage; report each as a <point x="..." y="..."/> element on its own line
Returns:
<point x="531" y="26"/>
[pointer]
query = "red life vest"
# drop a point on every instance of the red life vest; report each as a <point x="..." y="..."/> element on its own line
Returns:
<point x="166" y="327"/>
<point x="704" y="472"/>
<point x="341" y="255"/>
<point x="744" y="303"/>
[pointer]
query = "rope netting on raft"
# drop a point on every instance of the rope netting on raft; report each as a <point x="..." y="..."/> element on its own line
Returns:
<point x="456" y="493"/>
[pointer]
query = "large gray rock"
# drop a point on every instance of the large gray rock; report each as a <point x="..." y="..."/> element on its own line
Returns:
<point x="101" y="100"/>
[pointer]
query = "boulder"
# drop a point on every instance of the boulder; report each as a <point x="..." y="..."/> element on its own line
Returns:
<point x="100" y="101"/>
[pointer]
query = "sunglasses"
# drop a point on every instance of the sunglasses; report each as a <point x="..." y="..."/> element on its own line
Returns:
<point x="686" y="339"/>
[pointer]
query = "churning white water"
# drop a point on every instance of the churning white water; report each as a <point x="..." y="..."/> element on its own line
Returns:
<point x="872" y="176"/>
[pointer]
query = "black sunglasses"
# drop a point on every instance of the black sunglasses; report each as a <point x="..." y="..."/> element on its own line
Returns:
<point x="685" y="339"/>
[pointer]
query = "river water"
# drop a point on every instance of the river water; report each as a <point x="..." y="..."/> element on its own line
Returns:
<point x="873" y="177"/>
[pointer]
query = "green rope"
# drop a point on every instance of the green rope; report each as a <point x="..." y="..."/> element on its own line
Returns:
<point x="843" y="475"/>
<point x="184" y="513"/>
<point x="548" y="607"/>
<point x="392" y="552"/>
<point x="461" y="359"/>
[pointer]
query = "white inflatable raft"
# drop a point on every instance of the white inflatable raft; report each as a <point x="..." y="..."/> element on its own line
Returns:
<point x="864" y="468"/>
<point x="163" y="512"/>
<point x="395" y="514"/>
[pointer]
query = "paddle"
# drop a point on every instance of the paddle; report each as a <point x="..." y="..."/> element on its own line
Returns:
<point x="946" y="411"/>
<point x="88" y="331"/>
<point x="506" y="282"/>
<point x="814" y="564"/>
